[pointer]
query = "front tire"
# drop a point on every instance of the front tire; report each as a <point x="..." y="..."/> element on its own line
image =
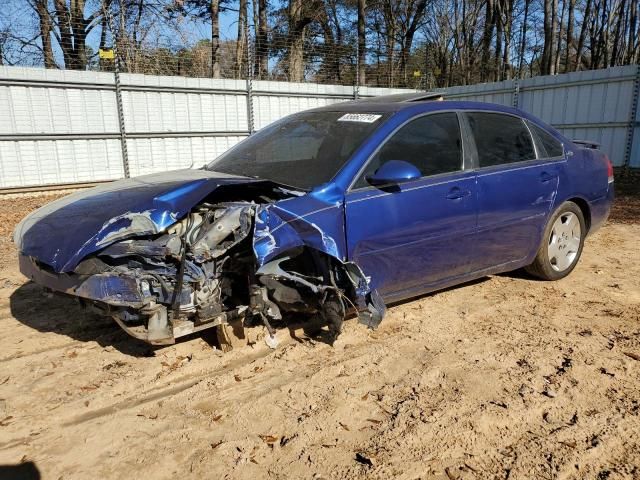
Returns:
<point x="562" y="244"/>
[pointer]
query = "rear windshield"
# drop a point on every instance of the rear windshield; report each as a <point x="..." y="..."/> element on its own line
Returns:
<point x="302" y="151"/>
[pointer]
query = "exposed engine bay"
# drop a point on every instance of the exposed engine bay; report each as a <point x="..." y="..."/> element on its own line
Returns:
<point x="203" y="272"/>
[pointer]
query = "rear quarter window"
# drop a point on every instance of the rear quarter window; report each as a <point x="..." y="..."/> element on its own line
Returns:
<point x="548" y="145"/>
<point x="500" y="139"/>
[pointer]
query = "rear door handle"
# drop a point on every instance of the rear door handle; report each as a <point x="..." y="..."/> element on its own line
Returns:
<point x="457" y="192"/>
<point x="546" y="177"/>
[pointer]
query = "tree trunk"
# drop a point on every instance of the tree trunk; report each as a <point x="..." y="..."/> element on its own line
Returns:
<point x="459" y="34"/>
<point x="583" y="34"/>
<point x="362" y="42"/>
<point x="604" y="38"/>
<point x="633" y="38"/>
<point x="45" y="33"/>
<point x="554" y="29"/>
<point x="486" y="39"/>
<point x="64" y="25"/>
<point x="568" y="67"/>
<point x="104" y="25"/>
<point x="594" y="38"/>
<point x="556" y="68"/>
<point x="464" y="50"/>
<point x="338" y="39"/>
<point x="262" y="49"/>
<point x="73" y="32"/>
<point x="297" y="26"/>
<point x="331" y="60"/>
<point x="507" y="68"/>
<point x="242" y="39"/>
<point x="471" y="48"/>
<point x="499" y="29"/>
<point x="546" y="64"/>
<point x="390" y="39"/>
<point x="407" y="41"/>
<point x="215" y="38"/>
<point x="523" y="39"/>
<point x="618" y="34"/>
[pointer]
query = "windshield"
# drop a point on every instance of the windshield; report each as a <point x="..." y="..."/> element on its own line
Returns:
<point x="302" y="151"/>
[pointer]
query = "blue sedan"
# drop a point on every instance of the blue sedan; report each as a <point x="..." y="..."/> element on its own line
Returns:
<point x="325" y="213"/>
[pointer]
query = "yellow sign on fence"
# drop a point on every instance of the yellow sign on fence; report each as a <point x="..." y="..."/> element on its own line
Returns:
<point x="107" y="54"/>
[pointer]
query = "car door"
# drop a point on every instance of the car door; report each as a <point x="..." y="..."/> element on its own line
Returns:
<point x="516" y="188"/>
<point x="410" y="236"/>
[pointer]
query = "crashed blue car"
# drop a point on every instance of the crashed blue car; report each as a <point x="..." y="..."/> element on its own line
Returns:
<point x="325" y="213"/>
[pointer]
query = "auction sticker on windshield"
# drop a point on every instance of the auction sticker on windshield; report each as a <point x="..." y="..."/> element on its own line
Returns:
<point x="359" y="117"/>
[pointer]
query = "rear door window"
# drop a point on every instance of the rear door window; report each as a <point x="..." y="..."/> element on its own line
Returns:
<point x="500" y="139"/>
<point x="548" y="145"/>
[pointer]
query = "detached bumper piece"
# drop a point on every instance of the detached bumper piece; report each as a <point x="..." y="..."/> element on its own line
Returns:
<point x="123" y="298"/>
<point x="116" y="290"/>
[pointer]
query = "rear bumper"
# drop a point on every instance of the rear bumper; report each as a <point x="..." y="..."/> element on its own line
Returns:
<point x="601" y="208"/>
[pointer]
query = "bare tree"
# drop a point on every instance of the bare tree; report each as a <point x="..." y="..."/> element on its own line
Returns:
<point x="262" y="48"/>
<point x="523" y="37"/>
<point x="362" y="41"/>
<point x="489" y="23"/>
<point x="569" y="43"/>
<point x="301" y="13"/>
<point x="412" y="16"/>
<point x="215" y="38"/>
<point x="242" y="37"/>
<point x="583" y="33"/>
<point x="379" y="42"/>
<point x="556" y="68"/>
<point x="632" y="42"/>
<point x="44" y="18"/>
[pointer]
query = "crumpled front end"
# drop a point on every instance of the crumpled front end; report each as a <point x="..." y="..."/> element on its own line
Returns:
<point x="228" y="259"/>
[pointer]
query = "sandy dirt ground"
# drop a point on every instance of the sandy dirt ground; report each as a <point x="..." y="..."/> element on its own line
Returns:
<point x="506" y="377"/>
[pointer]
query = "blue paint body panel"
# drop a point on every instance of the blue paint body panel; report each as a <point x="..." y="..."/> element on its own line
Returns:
<point x="413" y="236"/>
<point x="417" y="237"/>
<point x="65" y="231"/>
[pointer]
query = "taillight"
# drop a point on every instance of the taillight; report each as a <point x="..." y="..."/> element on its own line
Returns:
<point x="609" y="168"/>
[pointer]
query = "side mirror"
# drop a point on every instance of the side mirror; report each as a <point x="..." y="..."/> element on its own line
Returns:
<point x="394" y="172"/>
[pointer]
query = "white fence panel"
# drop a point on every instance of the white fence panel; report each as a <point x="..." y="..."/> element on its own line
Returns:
<point x="591" y="105"/>
<point x="500" y="92"/>
<point x="62" y="127"/>
<point x="56" y="162"/>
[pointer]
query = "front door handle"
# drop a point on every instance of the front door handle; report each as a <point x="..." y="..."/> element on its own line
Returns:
<point x="547" y="177"/>
<point x="456" y="192"/>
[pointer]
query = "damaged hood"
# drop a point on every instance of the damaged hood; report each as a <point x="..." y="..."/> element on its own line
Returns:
<point x="63" y="232"/>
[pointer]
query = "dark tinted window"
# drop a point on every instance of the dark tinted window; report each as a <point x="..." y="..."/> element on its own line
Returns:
<point x="500" y="139"/>
<point x="302" y="150"/>
<point x="548" y="145"/>
<point x="431" y="143"/>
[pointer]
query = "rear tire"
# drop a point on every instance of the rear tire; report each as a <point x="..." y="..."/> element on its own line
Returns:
<point x="562" y="244"/>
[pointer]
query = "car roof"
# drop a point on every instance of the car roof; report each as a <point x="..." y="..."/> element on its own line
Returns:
<point x="397" y="103"/>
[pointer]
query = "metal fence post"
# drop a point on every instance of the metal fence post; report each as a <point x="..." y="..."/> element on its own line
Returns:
<point x="123" y="130"/>
<point x="516" y="93"/>
<point x="633" y="120"/>
<point x="356" y="83"/>
<point x="119" y="105"/>
<point x="250" y="63"/>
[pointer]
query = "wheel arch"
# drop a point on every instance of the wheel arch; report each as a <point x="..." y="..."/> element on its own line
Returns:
<point x="584" y="208"/>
